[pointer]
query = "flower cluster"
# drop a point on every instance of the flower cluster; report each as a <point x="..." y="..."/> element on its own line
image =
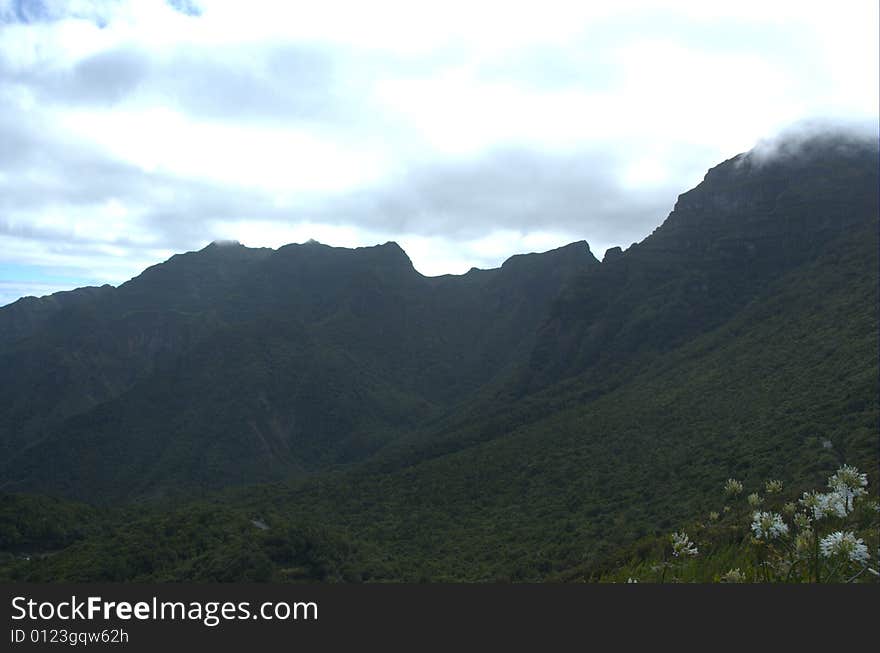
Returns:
<point x="773" y="487"/>
<point x="768" y="525"/>
<point x="845" y="544"/>
<point x="830" y="504"/>
<point x="802" y="520"/>
<point x="682" y="546"/>
<point x="733" y="487"/>
<point x="733" y="576"/>
<point x="849" y="478"/>
<point x="848" y="483"/>
<point x="791" y="540"/>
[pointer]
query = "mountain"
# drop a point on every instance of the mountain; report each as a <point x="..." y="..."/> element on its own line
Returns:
<point x="233" y="365"/>
<point x="523" y="423"/>
<point x="750" y="221"/>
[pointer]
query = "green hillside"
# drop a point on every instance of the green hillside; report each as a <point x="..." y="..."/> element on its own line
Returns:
<point x="323" y="414"/>
<point x="563" y="495"/>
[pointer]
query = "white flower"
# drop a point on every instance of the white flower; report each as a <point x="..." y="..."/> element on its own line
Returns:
<point x="755" y="500"/>
<point x="833" y="503"/>
<point x="632" y="580"/>
<point x="844" y="544"/>
<point x="849" y="483"/>
<point x="825" y="505"/>
<point x="682" y="545"/>
<point x="768" y="525"/>
<point x="848" y="476"/>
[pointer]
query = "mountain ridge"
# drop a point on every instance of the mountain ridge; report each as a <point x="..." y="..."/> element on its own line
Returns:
<point x="236" y="365"/>
<point x="543" y="420"/>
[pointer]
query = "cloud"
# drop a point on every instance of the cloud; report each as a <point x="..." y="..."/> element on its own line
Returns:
<point x="517" y="189"/>
<point x="283" y="83"/>
<point x="105" y="77"/>
<point x="188" y="7"/>
<point x="44" y="11"/>
<point x="799" y="139"/>
<point x="466" y="132"/>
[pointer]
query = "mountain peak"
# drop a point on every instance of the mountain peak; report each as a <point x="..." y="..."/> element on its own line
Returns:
<point x="393" y="254"/>
<point x="220" y="244"/>
<point x="784" y="197"/>
<point x="578" y="251"/>
<point x="612" y="253"/>
<point x="802" y="147"/>
<point x="391" y="245"/>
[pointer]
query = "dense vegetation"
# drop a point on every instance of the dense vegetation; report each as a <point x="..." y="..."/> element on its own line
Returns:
<point x="198" y="543"/>
<point x="555" y="419"/>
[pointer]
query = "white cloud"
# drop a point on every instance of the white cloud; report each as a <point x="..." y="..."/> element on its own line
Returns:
<point x="135" y="129"/>
<point x="269" y="158"/>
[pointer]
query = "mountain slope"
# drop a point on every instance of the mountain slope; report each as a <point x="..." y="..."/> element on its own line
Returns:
<point x="518" y="423"/>
<point x="263" y="364"/>
<point x="560" y="495"/>
<point x="751" y="220"/>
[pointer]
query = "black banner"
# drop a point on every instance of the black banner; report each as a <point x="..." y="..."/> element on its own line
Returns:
<point x="170" y="617"/>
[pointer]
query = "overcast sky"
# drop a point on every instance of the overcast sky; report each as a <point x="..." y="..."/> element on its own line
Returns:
<point x="465" y="131"/>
